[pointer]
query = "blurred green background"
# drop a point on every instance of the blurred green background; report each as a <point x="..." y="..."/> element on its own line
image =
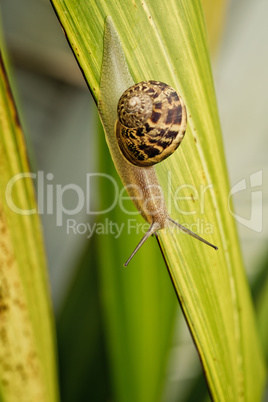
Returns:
<point x="60" y="120"/>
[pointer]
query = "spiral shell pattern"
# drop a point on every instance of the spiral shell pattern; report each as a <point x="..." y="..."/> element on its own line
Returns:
<point x="151" y="122"/>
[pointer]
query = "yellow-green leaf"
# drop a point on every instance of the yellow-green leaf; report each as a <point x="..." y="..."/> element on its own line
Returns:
<point x="27" y="358"/>
<point x="166" y="41"/>
<point x="215" y="16"/>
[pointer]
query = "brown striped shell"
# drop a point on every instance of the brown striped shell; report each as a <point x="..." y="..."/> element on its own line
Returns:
<point x="151" y="122"/>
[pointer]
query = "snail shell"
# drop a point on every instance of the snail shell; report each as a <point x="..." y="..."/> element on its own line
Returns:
<point x="151" y="122"/>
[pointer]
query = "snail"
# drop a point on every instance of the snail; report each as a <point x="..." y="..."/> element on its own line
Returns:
<point x="151" y="122"/>
<point x="143" y="126"/>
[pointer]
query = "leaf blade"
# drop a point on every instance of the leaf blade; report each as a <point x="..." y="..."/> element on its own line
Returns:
<point x="152" y="52"/>
<point x="27" y="354"/>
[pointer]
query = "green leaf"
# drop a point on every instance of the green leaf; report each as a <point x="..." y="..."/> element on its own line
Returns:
<point x="262" y="306"/>
<point x="167" y="42"/>
<point x="139" y="302"/>
<point x="260" y="297"/>
<point x="27" y="358"/>
<point x="215" y="16"/>
<point x="83" y="367"/>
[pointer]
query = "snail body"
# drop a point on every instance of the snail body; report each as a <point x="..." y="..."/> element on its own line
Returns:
<point x="142" y="127"/>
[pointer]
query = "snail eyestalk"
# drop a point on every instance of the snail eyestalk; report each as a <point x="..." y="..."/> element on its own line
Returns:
<point x="155" y="226"/>
<point x="152" y="229"/>
<point x="189" y="232"/>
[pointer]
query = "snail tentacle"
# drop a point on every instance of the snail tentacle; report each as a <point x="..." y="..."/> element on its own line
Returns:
<point x="155" y="227"/>
<point x="152" y="229"/>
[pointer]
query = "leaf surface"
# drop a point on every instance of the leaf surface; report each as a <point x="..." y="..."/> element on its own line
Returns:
<point x="27" y="355"/>
<point x="166" y="41"/>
